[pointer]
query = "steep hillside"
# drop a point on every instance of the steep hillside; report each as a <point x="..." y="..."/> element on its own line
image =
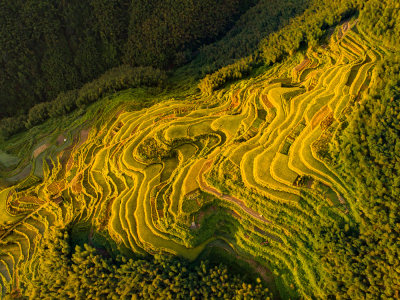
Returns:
<point x="48" y="47"/>
<point x="247" y="166"/>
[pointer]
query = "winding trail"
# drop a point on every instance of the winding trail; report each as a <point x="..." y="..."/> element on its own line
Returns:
<point x="260" y="269"/>
<point x="22" y="221"/>
<point x="211" y="190"/>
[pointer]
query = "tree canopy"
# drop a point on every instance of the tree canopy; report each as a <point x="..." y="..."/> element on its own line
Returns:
<point x="83" y="273"/>
<point x="363" y="259"/>
<point x="48" y="47"/>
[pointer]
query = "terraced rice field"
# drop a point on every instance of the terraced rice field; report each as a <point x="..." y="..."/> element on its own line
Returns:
<point x="147" y="178"/>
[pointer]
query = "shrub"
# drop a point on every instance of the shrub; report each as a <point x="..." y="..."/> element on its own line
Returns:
<point x="114" y="80"/>
<point x="232" y="72"/>
<point x="37" y="114"/>
<point x="63" y="104"/>
<point x="11" y="126"/>
<point x="117" y="79"/>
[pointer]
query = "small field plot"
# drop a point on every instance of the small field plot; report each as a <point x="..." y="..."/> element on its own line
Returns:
<point x="170" y="164"/>
<point x="203" y="127"/>
<point x="229" y="124"/>
<point x="281" y="171"/>
<point x="190" y="183"/>
<point x="176" y="132"/>
<point x="240" y="151"/>
<point x="4" y="216"/>
<point x="177" y="191"/>
<point x="320" y="115"/>
<point x="262" y="174"/>
<point x="8" y="160"/>
<point x="186" y="151"/>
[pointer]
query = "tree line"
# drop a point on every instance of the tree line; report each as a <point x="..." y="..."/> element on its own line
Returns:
<point x="48" y="47"/>
<point x="262" y="19"/>
<point x="306" y="30"/>
<point x="115" y="79"/>
<point x="61" y="272"/>
<point x="363" y="258"/>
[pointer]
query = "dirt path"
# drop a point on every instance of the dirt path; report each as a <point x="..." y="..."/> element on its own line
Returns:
<point x="84" y="134"/>
<point x="205" y="187"/>
<point x="261" y="270"/>
<point x="40" y="149"/>
<point x="22" y="220"/>
<point x="90" y="237"/>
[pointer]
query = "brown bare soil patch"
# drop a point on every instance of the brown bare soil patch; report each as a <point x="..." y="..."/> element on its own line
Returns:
<point x="84" y="134"/>
<point x="76" y="184"/>
<point x="320" y="115"/>
<point x="56" y="187"/>
<point x="107" y="217"/>
<point x="160" y="213"/>
<point x="39" y="150"/>
<point x="70" y="163"/>
<point x="235" y="100"/>
<point x="60" y="140"/>
<point x="300" y="67"/>
<point x="267" y="103"/>
<point x="30" y="199"/>
<point x="327" y="121"/>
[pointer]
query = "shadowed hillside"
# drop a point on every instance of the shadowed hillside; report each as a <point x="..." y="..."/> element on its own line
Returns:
<point x="283" y="163"/>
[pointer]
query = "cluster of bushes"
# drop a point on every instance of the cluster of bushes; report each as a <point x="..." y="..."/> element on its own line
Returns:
<point x="116" y="79"/>
<point x="229" y="73"/>
<point x="152" y="149"/>
<point x="306" y="30"/>
<point x="81" y="273"/>
<point x="12" y="125"/>
<point x="381" y="19"/>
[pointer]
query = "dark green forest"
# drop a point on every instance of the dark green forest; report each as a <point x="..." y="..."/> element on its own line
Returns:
<point x="364" y="257"/>
<point x="380" y="18"/>
<point x="48" y="47"/>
